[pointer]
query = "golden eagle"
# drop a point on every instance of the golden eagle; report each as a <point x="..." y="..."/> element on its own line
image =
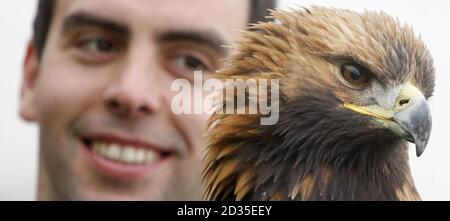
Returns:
<point x="353" y="89"/>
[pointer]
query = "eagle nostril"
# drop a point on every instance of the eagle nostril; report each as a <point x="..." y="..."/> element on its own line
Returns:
<point x="403" y="102"/>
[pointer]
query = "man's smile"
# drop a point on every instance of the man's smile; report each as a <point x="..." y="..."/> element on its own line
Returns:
<point x="124" y="154"/>
<point x="123" y="158"/>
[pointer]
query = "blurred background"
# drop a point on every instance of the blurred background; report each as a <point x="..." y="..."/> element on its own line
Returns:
<point x="18" y="140"/>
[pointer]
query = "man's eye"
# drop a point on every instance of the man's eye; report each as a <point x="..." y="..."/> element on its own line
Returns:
<point x="97" y="45"/>
<point x="190" y="63"/>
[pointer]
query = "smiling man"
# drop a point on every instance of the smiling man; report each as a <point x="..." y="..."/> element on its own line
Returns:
<point x="97" y="78"/>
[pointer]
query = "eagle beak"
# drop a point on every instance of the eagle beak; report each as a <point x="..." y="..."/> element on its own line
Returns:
<point x="416" y="120"/>
<point x="410" y="118"/>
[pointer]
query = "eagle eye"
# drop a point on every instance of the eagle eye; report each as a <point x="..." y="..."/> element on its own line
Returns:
<point x="355" y="75"/>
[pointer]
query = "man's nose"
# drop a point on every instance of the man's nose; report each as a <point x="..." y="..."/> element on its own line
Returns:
<point x="136" y="91"/>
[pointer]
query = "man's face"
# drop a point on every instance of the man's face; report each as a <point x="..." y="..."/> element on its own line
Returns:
<point x="101" y="96"/>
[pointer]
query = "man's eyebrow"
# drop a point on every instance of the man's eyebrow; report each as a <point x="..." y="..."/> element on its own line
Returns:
<point x="87" y="19"/>
<point x="208" y="38"/>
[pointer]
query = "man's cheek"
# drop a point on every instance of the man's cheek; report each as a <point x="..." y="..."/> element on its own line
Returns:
<point x="60" y="93"/>
<point x="197" y="135"/>
<point x="53" y="101"/>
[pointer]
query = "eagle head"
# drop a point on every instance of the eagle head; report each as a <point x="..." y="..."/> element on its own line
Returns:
<point x="353" y="89"/>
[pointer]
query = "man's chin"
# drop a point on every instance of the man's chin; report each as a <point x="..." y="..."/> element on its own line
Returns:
<point x="104" y="195"/>
<point x="88" y="176"/>
<point x="92" y="186"/>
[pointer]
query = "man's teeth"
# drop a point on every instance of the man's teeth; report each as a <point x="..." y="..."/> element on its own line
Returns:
<point x="124" y="154"/>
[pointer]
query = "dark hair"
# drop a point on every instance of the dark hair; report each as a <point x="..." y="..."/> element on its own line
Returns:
<point x="41" y="24"/>
<point x="259" y="9"/>
<point x="43" y="19"/>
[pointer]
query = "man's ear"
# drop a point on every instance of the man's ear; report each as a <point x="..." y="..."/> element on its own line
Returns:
<point x="27" y="92"/>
